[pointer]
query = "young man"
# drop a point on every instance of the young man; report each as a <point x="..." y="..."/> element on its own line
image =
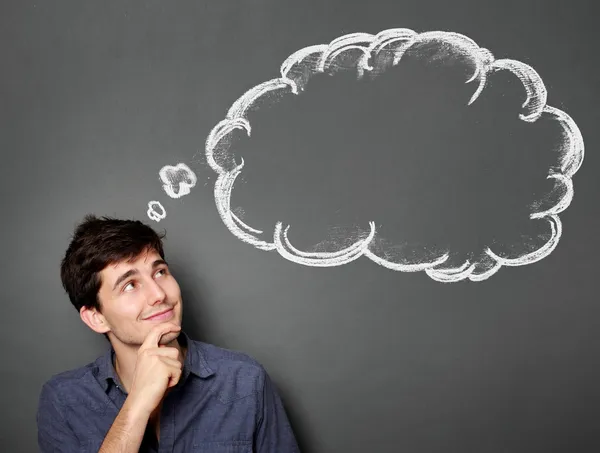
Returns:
<point x="155" y="389"/>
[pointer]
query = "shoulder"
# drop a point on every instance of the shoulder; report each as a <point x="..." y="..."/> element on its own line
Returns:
<point x="73" y="383"/>
<point x="237" y="373"/>
<point x="69" y="377"/>
<point x="220" y="356"/>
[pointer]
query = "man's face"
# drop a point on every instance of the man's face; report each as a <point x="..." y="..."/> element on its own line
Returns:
<point x="133" y="292"/>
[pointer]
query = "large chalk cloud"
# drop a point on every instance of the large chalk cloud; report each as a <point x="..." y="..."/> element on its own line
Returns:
<point x="369" y="54"/>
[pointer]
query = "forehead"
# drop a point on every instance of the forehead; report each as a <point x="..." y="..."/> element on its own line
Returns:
<point x="142" y="261"/>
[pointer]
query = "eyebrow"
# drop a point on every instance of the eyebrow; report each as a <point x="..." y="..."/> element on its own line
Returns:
<point x="131" y="272"/>
<point x="157" y="263"/>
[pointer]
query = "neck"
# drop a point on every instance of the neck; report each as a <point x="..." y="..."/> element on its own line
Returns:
<point x="126" y="358"/>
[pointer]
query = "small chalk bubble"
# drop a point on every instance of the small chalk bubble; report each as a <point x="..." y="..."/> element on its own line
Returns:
<point x="153" y="214"/>
<point x="177" y="180"/>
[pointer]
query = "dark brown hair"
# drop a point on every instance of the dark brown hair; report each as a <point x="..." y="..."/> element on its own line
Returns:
<point x="97" y="243"/>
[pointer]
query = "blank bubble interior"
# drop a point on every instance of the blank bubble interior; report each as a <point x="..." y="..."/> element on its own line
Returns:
<point x="424" y="134"/>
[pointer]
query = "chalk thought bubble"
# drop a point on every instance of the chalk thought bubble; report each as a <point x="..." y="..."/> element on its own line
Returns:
<point x="152" y="212"/>
<point x="177" y="180"/>
<point x="375" y="54"/>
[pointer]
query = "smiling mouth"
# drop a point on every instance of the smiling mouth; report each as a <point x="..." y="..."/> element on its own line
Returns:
<point x="161" y="316"/>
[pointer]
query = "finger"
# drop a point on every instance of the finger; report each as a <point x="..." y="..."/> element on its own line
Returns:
<point x="170" y="362"/>
<point x="172" y="382"/>
<point x="156" y="333"/>
<point x="174" y="377"/>
<point x="164" y="352"/>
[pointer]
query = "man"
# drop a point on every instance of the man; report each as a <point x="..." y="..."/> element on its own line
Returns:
<point x="155" y="389"/>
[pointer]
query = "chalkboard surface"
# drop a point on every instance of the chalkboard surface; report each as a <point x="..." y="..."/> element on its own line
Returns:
<point x="391" y="205"/>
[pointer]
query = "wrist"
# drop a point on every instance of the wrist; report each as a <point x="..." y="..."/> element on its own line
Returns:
<point x="136" y="410"/>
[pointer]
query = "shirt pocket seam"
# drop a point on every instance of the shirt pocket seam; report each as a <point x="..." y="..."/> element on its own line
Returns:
<point x="220" y="443"/>
<point x="236" y="398"/>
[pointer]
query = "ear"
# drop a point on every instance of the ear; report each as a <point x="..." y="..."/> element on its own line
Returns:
<point x="94" y="320"/>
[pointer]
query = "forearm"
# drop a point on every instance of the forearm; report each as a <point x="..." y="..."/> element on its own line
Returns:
<point x="127" y="431"/>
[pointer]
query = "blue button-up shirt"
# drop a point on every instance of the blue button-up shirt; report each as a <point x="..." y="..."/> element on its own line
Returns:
<point x="224" y="402"/>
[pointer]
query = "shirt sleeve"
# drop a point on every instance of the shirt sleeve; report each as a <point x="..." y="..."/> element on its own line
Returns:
<point x="274" y="433"/>
<point x="54" y="434"/>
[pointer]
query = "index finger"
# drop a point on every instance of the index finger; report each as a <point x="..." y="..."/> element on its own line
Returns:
<point x="157" y="332"/>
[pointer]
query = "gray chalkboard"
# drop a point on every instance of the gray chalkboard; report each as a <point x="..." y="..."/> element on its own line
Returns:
<point x="412" y="257"/>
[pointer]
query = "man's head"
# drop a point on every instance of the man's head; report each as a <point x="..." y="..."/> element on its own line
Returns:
<point x="116" y="277"/>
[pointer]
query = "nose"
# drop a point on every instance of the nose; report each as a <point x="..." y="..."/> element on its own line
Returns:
<point x="155" y="292"/>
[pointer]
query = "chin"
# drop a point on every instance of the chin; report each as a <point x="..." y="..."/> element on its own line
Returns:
<point x="168" y="337"/>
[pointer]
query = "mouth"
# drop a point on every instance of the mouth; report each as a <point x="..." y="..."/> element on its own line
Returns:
<point x="161" y="316"/>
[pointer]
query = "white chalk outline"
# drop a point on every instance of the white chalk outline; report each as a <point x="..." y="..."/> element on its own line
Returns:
<point x="153" y="214"/>
<point x="321" y="58"/>
<point x="184" y="187"/>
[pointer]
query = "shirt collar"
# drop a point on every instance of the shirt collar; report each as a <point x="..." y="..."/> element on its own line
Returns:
<point x="195" y="363"/>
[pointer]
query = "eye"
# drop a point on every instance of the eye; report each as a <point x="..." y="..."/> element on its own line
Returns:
<point x="130" y="284"/>
<point x="161" y="272"/>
